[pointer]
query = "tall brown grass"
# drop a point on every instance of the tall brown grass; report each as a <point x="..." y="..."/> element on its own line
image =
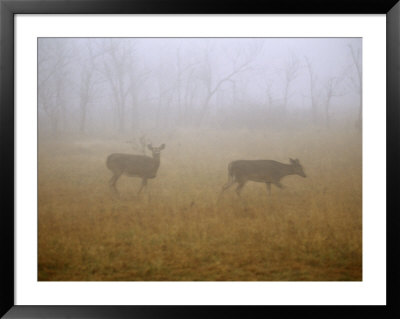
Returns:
<point x="177" y="231"/>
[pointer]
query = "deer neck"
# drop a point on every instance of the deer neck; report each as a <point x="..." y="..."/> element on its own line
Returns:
<point x="290" y="170"/>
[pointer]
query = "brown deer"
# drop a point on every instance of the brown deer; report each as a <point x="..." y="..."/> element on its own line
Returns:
<point x="263" y="171"/>
<point x="142" y="166"/>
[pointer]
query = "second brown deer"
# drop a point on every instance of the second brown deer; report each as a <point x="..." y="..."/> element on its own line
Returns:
<point x="263" y="171"/>
<point x="142" y="166"/>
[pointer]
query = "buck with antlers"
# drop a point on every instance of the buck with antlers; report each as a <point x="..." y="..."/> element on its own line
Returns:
<point x="142" y="166"/>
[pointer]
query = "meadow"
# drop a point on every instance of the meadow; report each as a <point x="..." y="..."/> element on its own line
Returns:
<point x="177" y="230"/>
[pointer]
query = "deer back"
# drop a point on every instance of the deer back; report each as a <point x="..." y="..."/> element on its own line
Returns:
<point x="133" y="165"/>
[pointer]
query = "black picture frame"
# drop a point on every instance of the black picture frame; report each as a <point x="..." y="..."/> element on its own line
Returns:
<point x="7" y="11"/>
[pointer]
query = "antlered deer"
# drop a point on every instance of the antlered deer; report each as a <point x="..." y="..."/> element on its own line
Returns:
<point x="142" y="166"/>
<point x="263" y="171"/>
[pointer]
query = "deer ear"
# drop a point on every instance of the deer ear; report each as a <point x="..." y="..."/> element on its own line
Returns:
<point x="291" y="160"/>
<point x="150" y="147"/>
<point x="162" y="146"/>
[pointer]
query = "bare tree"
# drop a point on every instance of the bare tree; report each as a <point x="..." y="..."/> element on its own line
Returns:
<point x="87" y="83"/>
<point x="357" y="80"/>
<point x="85" y="92"/>
<point x="241" y="62"/>
<point x="312" y="78"/>
<point x="116" y="63"/>
<point x="332" y="89"/>
<point x="183" y="91"/>
<point x="166" y="92"/>
<point x="291" y="72"/>
<point x="53" y="60"/>
<point x="190" y="89"/>
<point x="137" y="81"/>
<point x="268" y="92"/>
<point x="46" y="103"/>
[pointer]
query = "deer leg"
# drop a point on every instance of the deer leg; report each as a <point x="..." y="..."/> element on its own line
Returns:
<point x="144" y="184"/>
<point x="268" y="188"/>
<point x="239" y="188"/>
<point x="227" y="185"/>
<point x="113" y="182"/>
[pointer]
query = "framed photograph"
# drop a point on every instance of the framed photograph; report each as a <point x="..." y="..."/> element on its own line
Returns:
<point x="172" y="159"/>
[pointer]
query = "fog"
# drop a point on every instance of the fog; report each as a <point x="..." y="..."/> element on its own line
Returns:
<point x="118" y="87"/>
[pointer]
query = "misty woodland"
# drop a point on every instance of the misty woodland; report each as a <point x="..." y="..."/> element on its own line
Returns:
<point x="199" y="159"/>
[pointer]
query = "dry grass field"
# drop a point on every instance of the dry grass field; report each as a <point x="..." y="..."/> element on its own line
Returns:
<point x="176" y="230"/>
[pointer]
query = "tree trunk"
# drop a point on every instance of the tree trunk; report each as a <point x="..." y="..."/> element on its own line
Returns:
<point x="121" y="119"/>
<point x="359" y="120"/>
